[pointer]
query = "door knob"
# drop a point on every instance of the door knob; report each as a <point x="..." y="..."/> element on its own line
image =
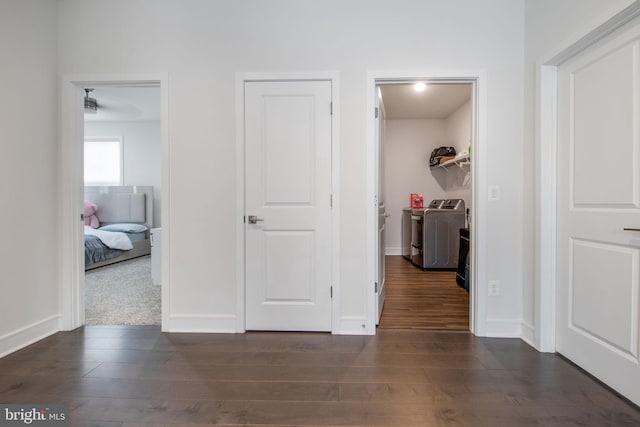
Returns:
<point x="254" y="219"/>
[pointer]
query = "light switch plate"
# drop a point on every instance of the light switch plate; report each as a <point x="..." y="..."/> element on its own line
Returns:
<point x="494" y="193"/>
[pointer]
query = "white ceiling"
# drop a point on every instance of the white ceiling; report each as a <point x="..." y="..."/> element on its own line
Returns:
<point x="126" y="103"/>
<point x="438" y="101"/>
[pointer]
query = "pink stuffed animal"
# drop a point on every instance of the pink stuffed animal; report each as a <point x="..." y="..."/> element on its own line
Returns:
<point x="90" y="217"/>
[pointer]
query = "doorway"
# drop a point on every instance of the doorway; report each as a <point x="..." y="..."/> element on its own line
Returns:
<point x="288" y="213"/>
<point x="288" y="205"/>
<point x="73" y="193"/>
<point x="598" y="211"/>
<point x="422" y="287"/>
<point x="122" y="174"/>
<point x="581" y="309"/>
<point x="466" y="179"/>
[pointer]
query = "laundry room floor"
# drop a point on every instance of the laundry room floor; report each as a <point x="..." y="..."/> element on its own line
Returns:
<point x="419" y="299"/>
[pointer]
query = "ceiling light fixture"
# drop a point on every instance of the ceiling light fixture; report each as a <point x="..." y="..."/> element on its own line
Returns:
<point x="90" y="104"/>
<point x="420" y="87"/>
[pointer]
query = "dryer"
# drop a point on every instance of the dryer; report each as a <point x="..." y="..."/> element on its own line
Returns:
<point x="405" y="233"/>
<point x="435" y="242"/>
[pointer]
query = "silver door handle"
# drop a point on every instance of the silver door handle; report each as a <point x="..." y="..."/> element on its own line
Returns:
<point x="631" y="229"/>
<point x="254" y="219"/>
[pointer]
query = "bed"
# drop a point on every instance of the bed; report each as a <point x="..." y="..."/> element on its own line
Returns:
<point x="122" y="211"/>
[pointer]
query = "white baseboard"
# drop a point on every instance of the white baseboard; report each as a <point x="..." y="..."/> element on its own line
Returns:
<point x="14" y="341"/>
<point x="353" y="325"/>
<point x="503" y="328"/>
<point x="349" y="325"/>
<point x="210" y="323"/>
<point x="528" y="334"/>
<point x="393" y="251"/>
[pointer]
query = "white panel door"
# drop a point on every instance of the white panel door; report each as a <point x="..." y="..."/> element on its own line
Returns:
<point x="380" y="288"/>
<point x="381" y="271"/>
<point x="599" y="196"/>
<point x="288" y="190"/>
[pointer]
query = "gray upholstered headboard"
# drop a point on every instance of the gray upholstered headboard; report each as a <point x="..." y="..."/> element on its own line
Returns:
<point x="126" y="204"/>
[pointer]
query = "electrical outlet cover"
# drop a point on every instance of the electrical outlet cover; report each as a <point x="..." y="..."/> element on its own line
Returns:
<point x="493" y="288"/>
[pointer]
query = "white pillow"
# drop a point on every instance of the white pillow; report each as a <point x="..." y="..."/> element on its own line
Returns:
<point x="125" y="228"/>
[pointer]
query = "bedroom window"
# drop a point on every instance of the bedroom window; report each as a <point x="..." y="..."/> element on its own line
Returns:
<point x="103" y="161"/>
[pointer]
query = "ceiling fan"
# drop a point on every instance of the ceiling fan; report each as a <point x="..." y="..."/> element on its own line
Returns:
<point x="116" y="103"/>
<point x="90" y="104"/>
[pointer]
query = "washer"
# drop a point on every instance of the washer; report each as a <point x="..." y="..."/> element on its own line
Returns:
<point x="417" y="231"/>
<point x="437" y="239"/>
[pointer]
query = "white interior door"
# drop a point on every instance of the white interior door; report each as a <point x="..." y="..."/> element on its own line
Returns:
<point x="598" y="196"/>
<point x="381" y="290"/>
<point x="380" y="282"/>
<point x="288" y="190"/>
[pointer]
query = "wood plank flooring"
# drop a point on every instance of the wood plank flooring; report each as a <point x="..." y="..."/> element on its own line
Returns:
<point x="137" y="376"/>
<point x="419" y="299"/>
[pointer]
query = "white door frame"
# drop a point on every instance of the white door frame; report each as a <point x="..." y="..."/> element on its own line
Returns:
<point x="478" y="78"/>
<point x="71" y="183"/>
<point x="546" y="167"/>
<point x="241" y="79"/>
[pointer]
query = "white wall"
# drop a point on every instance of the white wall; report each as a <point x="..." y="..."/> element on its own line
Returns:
<point x="407" y="147"/>
<point x="457" y="181"/>
<point x="550" y="26"/>
<point x="458" y="126"/>
<point x="202" y="44"/>
<point x="142" y="154"/>
<point x="29" y="263"/>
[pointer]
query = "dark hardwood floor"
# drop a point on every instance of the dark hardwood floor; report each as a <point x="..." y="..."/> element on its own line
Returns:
<point x="138" y="376"/>
<point x="419" y="299"/>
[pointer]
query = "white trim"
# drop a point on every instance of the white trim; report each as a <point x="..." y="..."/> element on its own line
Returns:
<point x="204" y="323"/>
<point x="393" y="251"/>
<point x="593" y="32"/>
<point x="336" y="218"/>
<point x="28" y="335"/>
<point x="546" y="159"/>
<point x="478" y="245"/>
<point x="239" y="204"/>
<point x="479" y="144"/>
<point x="528" y="333"/>
<point x="71" y="191"/>
<point x="165" y="204"/>
<point x="503" y="328"/>
<point x="545" y="222"/>
<point x="71" y="181"/>
<point x="241" y="78"/>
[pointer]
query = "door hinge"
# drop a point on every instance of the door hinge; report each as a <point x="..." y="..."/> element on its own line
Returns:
<point x="331" y="291"/>
<point x="377" y="112"/>
<point x="331" y="108"/>
<point x="244" y="219"/>
<point x="330" y="200"/>
<point x="81" y="217"/>
<point x="375" y="286"/>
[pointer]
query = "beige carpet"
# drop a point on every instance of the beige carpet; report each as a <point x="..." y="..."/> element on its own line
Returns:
<point x="122" y="294"/>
